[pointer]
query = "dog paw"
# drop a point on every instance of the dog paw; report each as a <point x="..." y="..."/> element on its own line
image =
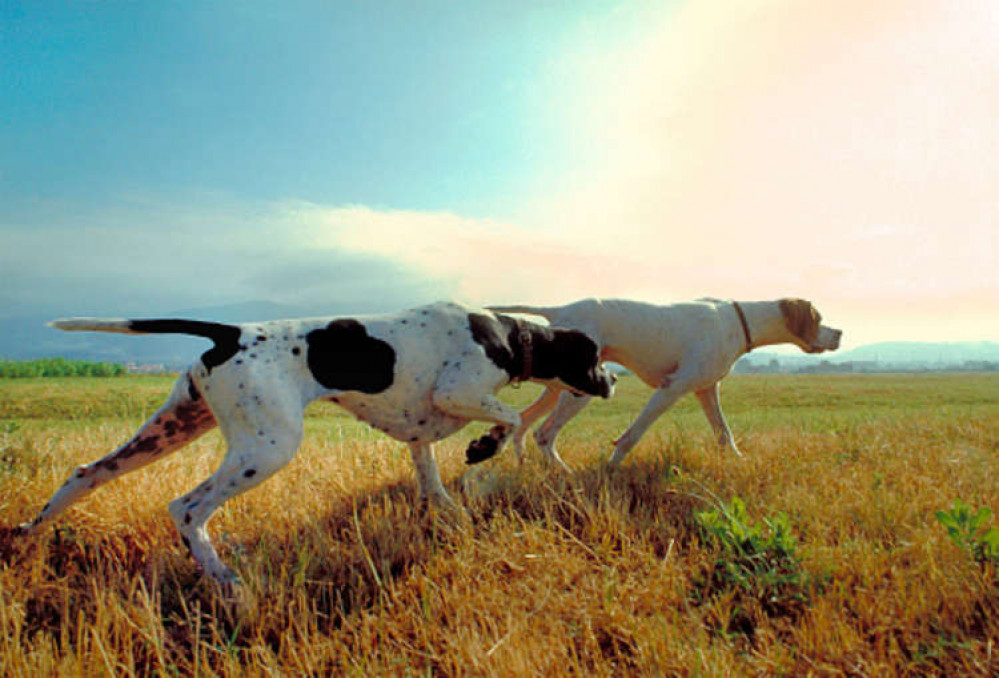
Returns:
<point x="482" y="449"/>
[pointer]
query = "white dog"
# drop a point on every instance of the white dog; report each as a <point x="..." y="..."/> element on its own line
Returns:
<point x="419" y="376"/>
<point x="675" y="349"/>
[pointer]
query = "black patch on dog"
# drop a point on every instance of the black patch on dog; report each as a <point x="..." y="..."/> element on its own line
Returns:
<point x="499" y="338"/>
<point x="192" y="391"/>
<point x="342" y="356"/>
<point x="572" y="357"/>
<point x="226" y="337"/>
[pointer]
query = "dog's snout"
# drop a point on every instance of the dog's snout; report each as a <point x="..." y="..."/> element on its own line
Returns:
<point x="608" y="382"/>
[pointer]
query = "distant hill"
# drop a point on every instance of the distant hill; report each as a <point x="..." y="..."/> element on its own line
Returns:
<point x="889" y="355"/>
<point x="915" y="352"/>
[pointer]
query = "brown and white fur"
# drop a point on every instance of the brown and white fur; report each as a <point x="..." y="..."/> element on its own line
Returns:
<point x="675" y="349"/>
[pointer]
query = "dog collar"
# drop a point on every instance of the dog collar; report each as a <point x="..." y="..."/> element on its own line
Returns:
<point x="745" y="326"/>
<point x="527" y="353"/>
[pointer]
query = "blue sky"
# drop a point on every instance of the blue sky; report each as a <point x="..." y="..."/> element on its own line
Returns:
<point x="162" y="156"/>
<point x="414" y="105"/>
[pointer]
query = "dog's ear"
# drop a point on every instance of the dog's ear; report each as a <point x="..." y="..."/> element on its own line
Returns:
<point x="801" y="318"/>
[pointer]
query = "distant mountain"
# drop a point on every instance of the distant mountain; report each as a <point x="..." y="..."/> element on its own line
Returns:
<point x="915" y="352"/>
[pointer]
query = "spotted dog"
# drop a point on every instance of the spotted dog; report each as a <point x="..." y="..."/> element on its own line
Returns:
<point x="419" y="376"/>
<point x="675" y="349"/>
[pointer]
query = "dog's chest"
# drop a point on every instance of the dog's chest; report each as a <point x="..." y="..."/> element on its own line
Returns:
<point x="407" y="420"/>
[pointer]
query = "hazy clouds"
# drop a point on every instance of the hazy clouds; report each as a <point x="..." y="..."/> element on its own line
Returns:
<point x="149" y="256"/>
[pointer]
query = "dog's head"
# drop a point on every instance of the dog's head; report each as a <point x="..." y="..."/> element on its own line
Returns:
<point x="576" y="363"/>
<point x="804" y="323"/>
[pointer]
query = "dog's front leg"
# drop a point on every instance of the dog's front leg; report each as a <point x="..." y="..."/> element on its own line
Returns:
<point x="471" y="403"/>
<point x="710" y="403"/>
<point x="428" y="476"/>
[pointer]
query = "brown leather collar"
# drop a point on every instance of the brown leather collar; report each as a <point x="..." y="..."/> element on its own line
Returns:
<point x="745" y="326"/>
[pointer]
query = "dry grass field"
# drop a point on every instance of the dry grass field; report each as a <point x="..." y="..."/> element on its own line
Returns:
<point x="819" y="553"/>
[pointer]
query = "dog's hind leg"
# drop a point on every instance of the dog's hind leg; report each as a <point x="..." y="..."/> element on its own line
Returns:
<point x="259" y="443"/>
<point x="182" y="418"/>
<point x="569" y="405"/>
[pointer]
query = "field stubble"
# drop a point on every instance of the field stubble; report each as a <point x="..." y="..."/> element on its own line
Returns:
<point x="595" y="574"/>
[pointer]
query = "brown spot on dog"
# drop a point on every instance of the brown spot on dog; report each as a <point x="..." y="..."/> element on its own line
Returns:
<point x="801" y="319"/>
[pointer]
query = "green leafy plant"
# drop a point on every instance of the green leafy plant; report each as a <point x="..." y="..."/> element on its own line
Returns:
<point x="970" y="531"/>
<point x="758" y="561"/>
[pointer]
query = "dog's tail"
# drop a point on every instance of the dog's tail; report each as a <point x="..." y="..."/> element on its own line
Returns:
<point x="217" y="332"/>
<point x="543" y="311"/>
<point x="225" y="337"/>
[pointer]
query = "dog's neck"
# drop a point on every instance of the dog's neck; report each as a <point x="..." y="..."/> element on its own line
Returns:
<point x="766" y="324"/>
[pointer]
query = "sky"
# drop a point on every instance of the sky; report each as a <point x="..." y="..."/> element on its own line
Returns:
<point x="379" y="155"/>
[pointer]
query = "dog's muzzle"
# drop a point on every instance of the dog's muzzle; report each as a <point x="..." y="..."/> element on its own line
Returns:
<point x="827" y="340"/>
<point x="606" y="379"/>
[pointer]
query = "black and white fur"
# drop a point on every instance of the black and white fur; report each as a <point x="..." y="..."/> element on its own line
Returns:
<point x="419" y="376"/>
